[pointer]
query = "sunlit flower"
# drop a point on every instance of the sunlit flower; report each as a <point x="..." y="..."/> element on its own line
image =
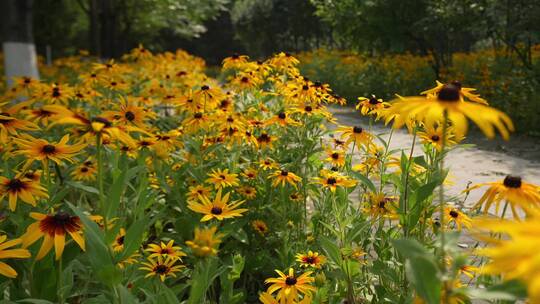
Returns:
<point x="331" y="180"/>
<point x="371" y="105"/>
<point x="161" y="267"/>
<point x="355" y="134"/>
<point x="165" y="250"/>
<point x="289" y="286"/>
<point x="311" y="259"/>
<point x="513" y="190"/>
<point x="219" y="208"/>
<point x="433" y="135"/>
<point x="460" y="219"/>
<point x="42" y="150"/>
<point x="284" y="176"/>
<point x="448" y="99"/>
<point x="222" y="178"/>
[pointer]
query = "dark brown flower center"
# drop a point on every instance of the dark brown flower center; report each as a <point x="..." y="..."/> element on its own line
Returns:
<point x="3" y="121"/>
<point x="48" y="149"/>
<point x="216" y="210"/>
<point x="449" y="92"/>
<point x="205" y="88"/>
<point x="454" y="214"/>
<point x="161" y="269"/>
<point x="284" y="173"/>
<point x="290" y="281"/>
<point x="435" y="138"/>
<point x="310" y="260"/>
<point x="56" y="92"/>
<point x="102" y="120"/>
<point x="120" y="240"/>
<point x="335" y="155"/>
<point x="374" y="101"/>
<point x="129" y="116"/>
<point x="511" y="181"/>
<point x="244" y="79"/>
<point x="84" y="169"/>
<point x="15" y="185"/>
<point x="198" y="115"/>
<point x="331" y="181"/>
<point x="282" y="115"/>
<point x="358" y="130"/>
<point x="308" y="109"/>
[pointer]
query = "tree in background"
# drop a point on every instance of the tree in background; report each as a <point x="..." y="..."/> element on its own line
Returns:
<point x="18" y="40"/>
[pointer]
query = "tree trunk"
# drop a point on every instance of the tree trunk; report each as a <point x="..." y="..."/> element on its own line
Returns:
<point x="20" y="57"/>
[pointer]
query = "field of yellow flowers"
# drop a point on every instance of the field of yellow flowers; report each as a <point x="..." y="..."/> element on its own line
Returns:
<point x="144" y="180"/>
<point x="497" y="73"/>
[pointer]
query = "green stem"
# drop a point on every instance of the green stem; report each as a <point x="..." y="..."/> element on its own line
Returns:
<point x="441" y="204"/>
<point x="100" y="181"/>
<point x="60" y="282"/>
<point x="406" y="190"/>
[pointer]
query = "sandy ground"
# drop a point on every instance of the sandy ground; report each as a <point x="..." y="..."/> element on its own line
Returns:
<point x="487" y="161"/>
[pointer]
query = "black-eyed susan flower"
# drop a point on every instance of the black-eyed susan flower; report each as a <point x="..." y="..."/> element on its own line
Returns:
<point x="118" y="243"/>
<point x="206" y="242"/>
<point x="371" y="105"/>
<point x="86" y="171"/>
<point x="381" y="205"/>
<point x="53" y="229"/>
<point x="331" y="180"/>
<point x="247" y="191"/>
<point x="10" y="124"/>
<point x="161" y="267"/>
<point x="43" y="150"/>
<point x="260" y="226"/>
<point x="235" y="61"/>
<point x="431" y="109"/>
<point x="311" y="259"/>
<point x="355" y="134"/>
<point x="460" y="219"/>
<point x="283" y="119"/>
<point x="289" y="286"/>
<point x="5" y="253"/>
<point x="168" y="250"/>
<point x="433" y="135"/>
<point x="250" y="173"/>
<point x="219" y="208"/>
<point x="222" y="178"/>
<point x="284" y="176"/>
<point x="268" y="164"/>
<point x="513" y="190"/>
<point x="25" y="189"/>
<point x="516" y="254"/>
<point x="335" y="157"/>
<point x="198" y="190"/>
<point x="265" y="140"/>
<point x="267" y="298"/>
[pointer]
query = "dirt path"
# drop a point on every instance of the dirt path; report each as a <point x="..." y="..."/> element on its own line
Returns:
<point x="487" y="161"/>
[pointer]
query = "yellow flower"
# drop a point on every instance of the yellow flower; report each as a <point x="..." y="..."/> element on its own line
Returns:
<point x="289" y="286"/>
<point x="222" y="178"/>
<point x="336" y="157"/>
<point x="118" y="244"/>
<point x="53" y="228"/>
<point x="371" y="105"/>
<point x="448" y="99"/>
<point x="332" y="180"/>
<point x="459" y="218"/>
<point x="40" y="149"/>
<point x="512" y="190"/>
<point x="6" y="253"/>
<point x="516" y="254"/>
<point x="311" y="259"/>
<point x="355" y="134"/>
<point x="260" y="226"/>
<point x="219" y="208"/>
<point x="284" y="176"/>
<point x="161" y="267"/>
<point x="21" y="187"/>
<point x="380" y="205"/>
<point x="206" y="242"/>
<point x="165" y="250"/>
<point x="433" y="135"/>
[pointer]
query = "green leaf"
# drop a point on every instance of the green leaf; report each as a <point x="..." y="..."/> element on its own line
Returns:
<point x="133" y="238"/>
<point x="83" y="187"/>
<point x="203" y="275"/>
<point x="364" y="180"/>
<point x="331" y="249"/>
<point x="98" y="251"/>
<point x="423" y="274"/>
